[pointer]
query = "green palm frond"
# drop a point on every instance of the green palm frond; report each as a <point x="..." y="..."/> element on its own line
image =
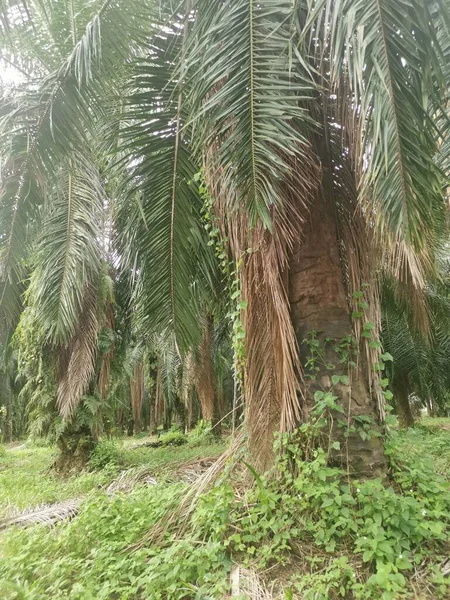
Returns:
<point x="68" y="255"/>
<point x="41" y="126"/>
<point x="249" y="103"/>
<point x="387" y="66"/>
<point x="420" y="360"/>
<point x="162" y="239"/>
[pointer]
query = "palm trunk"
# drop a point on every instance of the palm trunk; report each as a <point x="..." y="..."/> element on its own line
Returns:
<point x="189" y="412"/>
<point x="180" y="410"/>
<point x="205" y="382"/>
<point x="137" y="396"/>
<point x="75" y="446"/>
<point x="405" y="415"/>
<point x="152" y="393"/>
<point x="319" y="303"/>
<point x="401" y="392"/>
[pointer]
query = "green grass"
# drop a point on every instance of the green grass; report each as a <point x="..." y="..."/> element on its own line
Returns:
<point x="370" y="540"/>
<point x="156" y="458"/>
<point x="26" y="479"/>
<point x="428" y="440"/>
<point x="87" y="558"/>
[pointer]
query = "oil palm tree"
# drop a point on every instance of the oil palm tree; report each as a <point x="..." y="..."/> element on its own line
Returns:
<point x="420" y="362"/>
<point x="319" y="129"/>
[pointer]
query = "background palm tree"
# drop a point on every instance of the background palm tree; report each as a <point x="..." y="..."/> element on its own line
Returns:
<point x="319" y="128"/>
<point x="420" y="362"/>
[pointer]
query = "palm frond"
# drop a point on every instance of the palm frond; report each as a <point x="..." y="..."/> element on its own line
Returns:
<point x="68" y="254"/>
<point x="247" y="102"/>
<point x="389" y="59"/>
<point x="43" y="515"/>
<point x="162" y="240"/>
<point x="45" y="124"/>
<point x="77" y="362"/>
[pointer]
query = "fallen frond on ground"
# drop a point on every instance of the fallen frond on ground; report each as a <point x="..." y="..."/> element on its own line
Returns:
<point x="302" y="532"/>
<point x="248" y="584"/>
<point x="47" y="515"/>
<point x="179" y="518"/>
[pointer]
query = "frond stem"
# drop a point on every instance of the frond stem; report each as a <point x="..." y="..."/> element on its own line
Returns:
<point x="175" y="167"/>
<point x="252" y="98"/>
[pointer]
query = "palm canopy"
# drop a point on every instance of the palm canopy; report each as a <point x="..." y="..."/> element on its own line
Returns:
<point x="272" y="100"/>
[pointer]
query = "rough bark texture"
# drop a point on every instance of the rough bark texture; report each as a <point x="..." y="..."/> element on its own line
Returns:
<point x="180" y="409"/>
<point x="75" y="449"/>
<point x="137" y="396"/>
<point x="205" y="378"/>
<point x="152" y="426"/>
<point x="190" y="412"/>
<point x="401" y="392"/>
<point x="318" y="302"/>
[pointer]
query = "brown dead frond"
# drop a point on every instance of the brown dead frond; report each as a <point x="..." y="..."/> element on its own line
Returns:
<point x="410" y="266"/>
<point x="204" y="371"/>
<point x="272" y="373"/>
<point x="131" y="478"/>
<point x="177" y="519"/>
<point x="247" y="583"/>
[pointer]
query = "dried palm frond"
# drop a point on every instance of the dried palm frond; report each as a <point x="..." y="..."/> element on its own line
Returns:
<point x="204" y="372"/>
<point x="48" y="515"/>
<point x="129" y="479"/>
<point x="189" y="471"/>
<point x="246" y="583"/>
<point x="187" y="387"/>
<point x="178" y="518"/>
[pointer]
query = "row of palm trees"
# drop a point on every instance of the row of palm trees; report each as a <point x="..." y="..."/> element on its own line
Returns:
<point x="320" y="133"/>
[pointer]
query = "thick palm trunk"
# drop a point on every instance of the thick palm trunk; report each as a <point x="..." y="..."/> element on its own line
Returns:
<point x="319" y="303"/>
<point x="180" y="410"/>
<point x="75" y="446"/>
<point x="401" y="392"/>
<point x="205" y="378"/>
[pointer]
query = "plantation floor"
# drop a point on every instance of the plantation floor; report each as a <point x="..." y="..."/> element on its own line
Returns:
<point x="103" y="553"/>
<point x="27" y="480"/>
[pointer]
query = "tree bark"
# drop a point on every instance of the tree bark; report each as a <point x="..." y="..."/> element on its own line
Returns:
<point x="401" y="392"/>
<point x="319" y="303"/>
<point x="75" y="446"/>
<point x="137" y="396"/>
<point x="152" y="397"/>
<point x="180" y="409"/>
<point x="405" y="415"/>
<point x="205" y="378"/>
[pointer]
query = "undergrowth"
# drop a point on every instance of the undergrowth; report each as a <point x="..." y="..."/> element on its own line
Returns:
<point x="322" y="536"/>
<point x="27" y="480"/>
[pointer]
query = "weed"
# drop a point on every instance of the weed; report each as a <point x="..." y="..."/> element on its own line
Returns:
<point x="202" y="433"/>
<point x="106" y="453"/>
